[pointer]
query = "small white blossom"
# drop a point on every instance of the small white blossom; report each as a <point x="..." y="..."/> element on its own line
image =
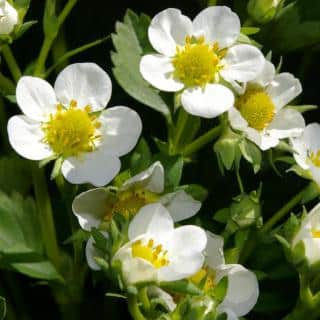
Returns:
<point x="157" y="251"/>
<point x="194" y="56"/>
<point x="8" y="17"/>
<point x="69" y="121"/>
<point x="260" y="112"/>
<point x="309" y="234"/>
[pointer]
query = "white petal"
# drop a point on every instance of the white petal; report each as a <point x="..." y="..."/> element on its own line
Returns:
<point x="300" y="152"/>
<point x="151" y="179"/>
<point x="168" y="29"/>
<point x="186" y="240"/>
<point x="209" y="102"/>
<point x="92" y="252"/>
<point x="315" y="173"/>
<point x="288" y="123"/>
<point x="90" y="207"/>
<point x="158" y="70"/>
<point x="154" y="220"/>
<point x="9" y="18"/>
<point x="262" y="139"/>
<point x="217" y="24"/>
<point x="97" y="168"/>
<point x="236" y="120"/>
<point x="86" y="83"/>
<point x="156" y="292"/>
<point x="242" y="63"/>
<point x="120" y="129"/>
<point x="243" y="289"/>
<point x="180" y="205"/>
<point x="181" y="267"/>
<point x="25" y="136"/>
<point x="311" y="137"/>
<point x="36" y="98"/>
<point x="214" y="250"/>
<point x="266" y="75"/>
<point x="135" y="270"/>
<point x="283" y="89"/>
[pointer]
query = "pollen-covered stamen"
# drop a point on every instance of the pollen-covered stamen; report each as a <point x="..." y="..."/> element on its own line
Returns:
<point x="150" y="251"/>
<point x="315" y="158"/>
<point x="205" y="278"/>
<point x="256" y="106"/>
<point x="197" y="63"/>
<point x="71" y="131"/>
<point x="129" y="202"/>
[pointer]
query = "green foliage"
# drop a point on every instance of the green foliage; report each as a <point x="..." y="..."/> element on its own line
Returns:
<point x="131" y="42"/>
<point x="50" y="19"/>
<point x="297" y="26"/>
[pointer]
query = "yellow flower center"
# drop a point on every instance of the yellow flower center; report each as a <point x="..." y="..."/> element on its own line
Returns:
<point x="315" y="158"/>
<point x="204" y="278"/>
<point x="256" y="106"/>
<point x="129" y="202"/>
<point x="315" y="233"/>
<point x="71" y="131"/>
<point x="197" y="63"/>
<point x="151" y="252"/>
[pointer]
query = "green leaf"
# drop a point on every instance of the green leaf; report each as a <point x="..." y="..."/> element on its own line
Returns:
<point x="181" y="286"/>
<point x="131" y="43"/>
<point x="38" y="270"/>
<point x="14" y="175"/>
<point x="196" y="191"/>
<point x="251" y="153"/>
<point x="222" y="215"/>
<point x="249" y="30"/>
<point x="3" y="308"/>
<point x="24" y="28"/>
<point x="296" y="26"/>
<point x="173" y="167"/>
<point x="19" y="228"/>
<point x="141" y="157"/>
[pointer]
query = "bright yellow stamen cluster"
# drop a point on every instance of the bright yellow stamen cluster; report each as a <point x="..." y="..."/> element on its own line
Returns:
<point x="71" y="131"/>
<point x="315" y="158"/>
<point x="256" y="106"/>
<point x="197" y="63"/>
<point x="129" y="202"/>
<point x="150" y="252"/>
<point x="204" y="277"/>
<point x="315" y="233"/>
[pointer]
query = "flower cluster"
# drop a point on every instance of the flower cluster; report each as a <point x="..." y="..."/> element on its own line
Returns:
<point x="133" y="221"/>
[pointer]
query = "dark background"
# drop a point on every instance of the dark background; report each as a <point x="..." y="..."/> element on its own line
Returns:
<point x="95" y="19"/>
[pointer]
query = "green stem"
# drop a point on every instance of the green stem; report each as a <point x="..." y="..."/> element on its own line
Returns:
<point x="75" y="52"/>
<point x="202" y="140"/>
<point x="181" y="123"/>
<point x="239" y="181"/>
<point x="283" y="211"/>
<point x="46" y="216"/>
<point x="143" y="297"/>
<point x="6" y="85"/>
<point x="134" y="308"/>
<point x="48" y="40"/>
<point x="11" y="62"/>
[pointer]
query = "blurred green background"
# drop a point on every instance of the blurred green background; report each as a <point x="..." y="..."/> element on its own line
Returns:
<point x="295" y="37"/>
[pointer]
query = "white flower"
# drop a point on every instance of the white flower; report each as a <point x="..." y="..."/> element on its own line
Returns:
<point x="97" y="205"/>
<point x="243" y="289"/>
<point x="309" y="234"/>
<point x="307" y="150"/>
<point x="156" y="251"/>
<point x="193" y="56"/>
<point x="8" y="17"/>
<point x="69" y="122"/>
<point x="259" y="111"/>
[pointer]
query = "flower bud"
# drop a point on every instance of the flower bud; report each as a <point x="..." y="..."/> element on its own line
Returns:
<point x="8" y="17"/>
<point x="263" y="11"/>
